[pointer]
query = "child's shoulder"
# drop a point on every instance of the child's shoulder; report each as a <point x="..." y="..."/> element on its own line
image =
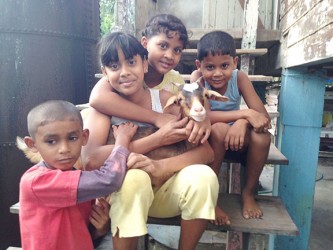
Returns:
<point x="173" y="76"/>
<point x="241" y="78"/>
<point x="169" y="78"/>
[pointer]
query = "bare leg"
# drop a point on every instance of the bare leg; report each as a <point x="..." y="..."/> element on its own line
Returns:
<point x="216" y="140"/>
<point x="191" y="232"/>
<point x="129" y="243"/>
<point x="257" y="153"/>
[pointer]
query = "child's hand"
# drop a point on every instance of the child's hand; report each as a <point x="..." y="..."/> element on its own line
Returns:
<point x="124" y="131"/>
<point x="173" y="132"/>
<point x="258" y="121"/>
<point x="163" y="118"/>
<point x="235" y="137"/>
<point x="99" y="217"/>
<point x="156" y="171"/>
<point x="198" y="131"/>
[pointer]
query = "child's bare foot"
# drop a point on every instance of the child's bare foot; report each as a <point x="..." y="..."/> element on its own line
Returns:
<point x="221" y="218"/>
<point x="251" y="210"/>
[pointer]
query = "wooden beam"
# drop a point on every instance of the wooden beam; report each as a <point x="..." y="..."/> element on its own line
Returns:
<point x="263" y="35"/>
<point x="252" y="52"/>
<point x="253" y="78"/>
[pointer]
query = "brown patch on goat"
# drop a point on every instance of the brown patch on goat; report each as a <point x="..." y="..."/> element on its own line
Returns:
<point x="161" y="152"/>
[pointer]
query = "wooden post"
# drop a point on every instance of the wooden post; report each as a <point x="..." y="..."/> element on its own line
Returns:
<point x="301" y="108"/>
<point x="125" y="16"/>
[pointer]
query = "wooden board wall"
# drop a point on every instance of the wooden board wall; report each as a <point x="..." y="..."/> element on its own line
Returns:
<point x="307" y="32"/>
<point x="206" y="14"/>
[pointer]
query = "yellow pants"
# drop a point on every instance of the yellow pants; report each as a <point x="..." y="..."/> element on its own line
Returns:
<point x="191" y="193"/>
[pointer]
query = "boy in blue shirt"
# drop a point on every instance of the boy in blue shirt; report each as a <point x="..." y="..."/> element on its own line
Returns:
<point x="236" y="133"/>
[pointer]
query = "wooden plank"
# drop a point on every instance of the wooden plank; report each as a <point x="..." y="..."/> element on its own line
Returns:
<point x="297" y="11"/>
<point x="314" y="48"/>
<point x="252" y="52"/>
<point x="250" y="20"/>
<point x="253" y="78"/>
<point x="276" y="219"/>
<point x="275" y="157"/>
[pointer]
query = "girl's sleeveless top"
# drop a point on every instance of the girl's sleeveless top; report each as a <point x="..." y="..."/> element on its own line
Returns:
<point x="156" y="106"/>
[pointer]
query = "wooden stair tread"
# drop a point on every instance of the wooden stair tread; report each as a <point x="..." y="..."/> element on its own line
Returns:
<point x="276" y="219"/>
<point x="275" y="157"/>
<point x="253" y="78"/>
<point x="253" y="52"/>
<point x="265" y="36"/>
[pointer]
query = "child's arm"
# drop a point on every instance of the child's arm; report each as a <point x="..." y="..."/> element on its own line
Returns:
<point x="161" y="170"/>
<point x="256" y="113"/>
<point x="109" y="177"/>
<point x="259" y="119"/>
<point x="195" y="75"/>
<point x="108" y="102"/>
<point x="99" y="218"/>
<point x="96" y="150"/>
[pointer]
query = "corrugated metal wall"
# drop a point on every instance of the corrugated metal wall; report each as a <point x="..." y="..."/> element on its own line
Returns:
<point x="47" y="51"/>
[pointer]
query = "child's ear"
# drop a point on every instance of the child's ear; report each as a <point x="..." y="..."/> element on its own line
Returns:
<point x="236" y="61"/>
<point x="30" y="144"/>
<point x="198" y="64"/>
<point x="85" y="137"/>
<point x="103" y="70"/>
<point x="144" y="42"/>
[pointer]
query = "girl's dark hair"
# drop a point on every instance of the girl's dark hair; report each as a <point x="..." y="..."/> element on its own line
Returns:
<point x="216" y="43"/>
<point x="165" y="23"/>
<point x="129" y="45"/>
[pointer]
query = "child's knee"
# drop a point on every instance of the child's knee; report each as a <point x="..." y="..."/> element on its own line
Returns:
<point x="136" y="179"/>
<point x="219" y="131"/>
<point x="202" y="177"/>
<point x="261" y="139"/>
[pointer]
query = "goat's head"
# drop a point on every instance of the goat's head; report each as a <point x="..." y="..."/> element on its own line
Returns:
<point x="192" y="98"/>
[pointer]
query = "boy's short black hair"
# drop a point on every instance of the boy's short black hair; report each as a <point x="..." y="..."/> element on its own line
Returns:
<point x="165" y="23"/>
<point x="50" y="111"/>
<point x="110" y="43"/>
<point x="216" y="43"/>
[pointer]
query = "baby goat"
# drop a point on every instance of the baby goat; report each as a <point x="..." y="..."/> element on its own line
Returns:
<point x="192" y="99"/>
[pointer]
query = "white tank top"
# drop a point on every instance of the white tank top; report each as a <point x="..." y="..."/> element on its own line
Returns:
<point x="156" y="106"/>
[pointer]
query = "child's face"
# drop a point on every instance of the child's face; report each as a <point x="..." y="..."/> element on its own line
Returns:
<point x="217" y="70"/>
<point x="126" y="76"/>
<point x="59" y="143"/>
<point x="163" y="53"/>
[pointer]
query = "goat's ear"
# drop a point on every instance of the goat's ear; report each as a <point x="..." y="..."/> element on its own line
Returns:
<point x="201" y="81"/>
<point x="213" y="95"/>
<point x="173" y="100"/>
<point x="178" y="85"/>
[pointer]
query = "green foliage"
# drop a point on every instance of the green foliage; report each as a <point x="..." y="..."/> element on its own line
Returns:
<point x="106" y="15"/>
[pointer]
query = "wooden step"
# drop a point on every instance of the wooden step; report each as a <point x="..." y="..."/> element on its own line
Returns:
<point x="275" y="157"/>
<point x="252" y="52"/>
<point x="264" y="36"/>
<point x="276" y="219"/>
<point x="253" y="78"/>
